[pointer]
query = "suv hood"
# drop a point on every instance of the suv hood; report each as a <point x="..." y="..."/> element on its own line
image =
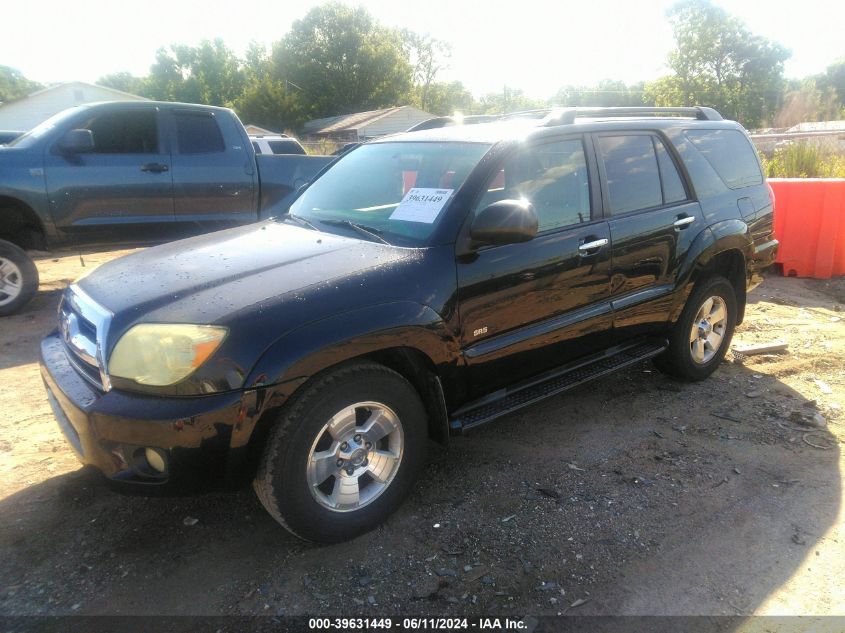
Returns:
<point x="247" y="270"/>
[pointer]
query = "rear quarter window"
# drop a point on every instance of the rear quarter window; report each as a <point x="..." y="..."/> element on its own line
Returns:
<point x="730" y="155"/>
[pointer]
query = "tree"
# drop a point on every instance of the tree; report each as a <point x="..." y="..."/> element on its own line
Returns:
<point x="719" y="62"/>
<point x="13" y="85"/>
<point x="606" y="93"/>
<point x="341" y="60"/>
<point x="427" y="57"/>
<point x="509" y="100"/>
<point x="445" y="99"/>
<point x="834" y="79"/>
<point x="124" y="81"/>
<point x="209" y="73"/>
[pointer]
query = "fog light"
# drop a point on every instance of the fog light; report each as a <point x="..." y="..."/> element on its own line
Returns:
<point x="155" y="460"/>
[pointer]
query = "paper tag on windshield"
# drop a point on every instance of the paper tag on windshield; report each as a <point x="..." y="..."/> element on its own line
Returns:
<point x="422" y="205"/>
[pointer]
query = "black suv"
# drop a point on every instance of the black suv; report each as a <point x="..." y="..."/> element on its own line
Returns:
<point x="423" y="284"/>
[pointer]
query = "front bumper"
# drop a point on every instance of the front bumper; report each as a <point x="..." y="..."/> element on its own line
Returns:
<point x="202" y="441"/>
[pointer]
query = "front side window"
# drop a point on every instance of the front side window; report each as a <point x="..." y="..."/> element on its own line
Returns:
<point x="397" y="190"/>
<point x="198" y="133"/>
<point x="127" y="132"/>
<point x="553" y="177"/>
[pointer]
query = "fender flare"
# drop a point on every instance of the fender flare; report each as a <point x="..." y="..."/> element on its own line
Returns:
<point x="311" y="348"/>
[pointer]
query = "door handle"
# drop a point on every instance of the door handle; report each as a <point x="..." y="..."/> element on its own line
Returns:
<point x="589" y="248"/>
<point x="155" y="168"/>
<point x="684" y="222"/>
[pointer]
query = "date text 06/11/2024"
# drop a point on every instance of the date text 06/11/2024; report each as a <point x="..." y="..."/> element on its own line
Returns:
<point x="416" y="624"/>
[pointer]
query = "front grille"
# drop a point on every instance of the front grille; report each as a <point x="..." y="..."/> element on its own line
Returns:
<point x="83" y="325"/>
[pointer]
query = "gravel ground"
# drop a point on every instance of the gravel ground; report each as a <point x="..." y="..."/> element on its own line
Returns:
<point x="632" y="495"/>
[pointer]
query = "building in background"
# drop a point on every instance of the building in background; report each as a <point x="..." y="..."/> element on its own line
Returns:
<point x="25" y="113"/>
<point x="362" y="126"/>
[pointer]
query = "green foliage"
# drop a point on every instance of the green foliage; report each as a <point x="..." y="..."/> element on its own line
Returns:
<point x="13" y="85"/>
<point x="804" y="160"/>
<point x="607" y="93"/>
<point x="509" y="100"/>
<point x="342" y="60"/>
<point x="718" y="62"/>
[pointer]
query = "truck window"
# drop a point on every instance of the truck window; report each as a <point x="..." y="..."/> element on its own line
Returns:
<point x="127" y="132"/>
<point x="730" y="154"/>
<point x="553" y="177"/>
<point x="285" y="147"/>
<point x="633" y="178"/>
<point x="197" y="133"/>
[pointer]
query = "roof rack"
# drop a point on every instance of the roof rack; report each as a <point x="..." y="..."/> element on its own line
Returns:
<point x="567" y="116"/>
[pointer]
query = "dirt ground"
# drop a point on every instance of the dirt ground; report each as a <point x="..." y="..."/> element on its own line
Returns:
<point x="632" y="495"/>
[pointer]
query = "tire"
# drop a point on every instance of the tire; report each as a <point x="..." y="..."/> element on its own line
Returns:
<point x="695" y="359"/>
<point x="18" y="278"/>
<point x="316" y="500"/>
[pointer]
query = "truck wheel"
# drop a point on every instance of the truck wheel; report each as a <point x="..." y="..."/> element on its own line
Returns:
<point x="344" y="454"/>
<point x="18" y="278"/>
<point x="701" y="337"/>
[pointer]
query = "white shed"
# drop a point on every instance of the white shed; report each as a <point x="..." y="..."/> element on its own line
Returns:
<point x="366" y="125"/>
<point x="25" y="113"/>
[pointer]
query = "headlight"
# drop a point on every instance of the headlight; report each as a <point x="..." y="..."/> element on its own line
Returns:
<point x="163" y="354"/>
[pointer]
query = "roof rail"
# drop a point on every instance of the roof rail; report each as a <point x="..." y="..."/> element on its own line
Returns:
<point x="567" y="116"/>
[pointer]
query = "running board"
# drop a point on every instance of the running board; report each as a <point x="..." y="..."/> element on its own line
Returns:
<point x="552" y="383"/>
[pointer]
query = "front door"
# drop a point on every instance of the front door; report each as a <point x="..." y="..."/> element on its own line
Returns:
<point x="529" y="307"/>
<point x="122" y="190"/>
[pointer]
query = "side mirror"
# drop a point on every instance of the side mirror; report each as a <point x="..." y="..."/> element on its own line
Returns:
<point x="77" y="142"/>
<point x="505" y="222"/>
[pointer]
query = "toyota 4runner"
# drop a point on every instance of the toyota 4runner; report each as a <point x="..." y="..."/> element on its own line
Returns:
<point x="424" y="284"/>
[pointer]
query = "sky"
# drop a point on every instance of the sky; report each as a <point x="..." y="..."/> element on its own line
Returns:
<point x="528" y="44"/>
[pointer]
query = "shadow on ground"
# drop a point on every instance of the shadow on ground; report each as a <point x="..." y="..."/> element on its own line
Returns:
<point x="636" y="495"/>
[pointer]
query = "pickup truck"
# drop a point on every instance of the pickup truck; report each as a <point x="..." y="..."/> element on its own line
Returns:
<point x="131" y="172"/>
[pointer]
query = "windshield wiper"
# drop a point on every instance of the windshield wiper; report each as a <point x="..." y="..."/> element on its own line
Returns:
<point x="300" y="221"/>
<point x="365" y="230"/>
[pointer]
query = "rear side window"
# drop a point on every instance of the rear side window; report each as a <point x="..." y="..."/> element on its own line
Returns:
<point x="640" y="173"/>
<point x="127" y="132"/>
<point x="198" y="133"/>
<point x="729" y="154"/>
<point x="285" y="147"/>
<point x="633" y="178"/>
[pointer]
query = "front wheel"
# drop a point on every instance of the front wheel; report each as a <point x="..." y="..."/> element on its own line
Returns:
<point x="18" y="278"/>
<point x="344" y="454"/>
<point x="701" y="337"/>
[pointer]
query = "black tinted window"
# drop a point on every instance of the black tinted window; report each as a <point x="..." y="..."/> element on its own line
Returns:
<point x="729" y="154"/>
<point x="673" y="186"/>
<point x="553" y="177"/>
<point x="285" y="147"/>
<point x="128" y="132"/>
<point x="198" y="133"/>
<point x="256" y="147"/>
<point x="633" y="180"/>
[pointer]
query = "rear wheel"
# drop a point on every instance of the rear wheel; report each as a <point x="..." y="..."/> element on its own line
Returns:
<point x="18" y="278"/>
<point x="344" y="454"/>
<point x="701" y="337"/>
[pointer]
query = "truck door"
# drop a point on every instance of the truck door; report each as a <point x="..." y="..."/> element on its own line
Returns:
<point x="653" y="220"/>
<point x="214" y="179"/>
<point x="528" y="307"/>
<point x="120" y="190"/>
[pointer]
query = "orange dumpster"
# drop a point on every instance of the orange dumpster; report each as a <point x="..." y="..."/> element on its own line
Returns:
<point x="810" y="225"/>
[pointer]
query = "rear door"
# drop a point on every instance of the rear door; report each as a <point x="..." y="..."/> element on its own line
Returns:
<point x="214" y="179"/>
<point x="652" y="218"/>
<point x="529" y="307"/>
<point x="120" y="191"/>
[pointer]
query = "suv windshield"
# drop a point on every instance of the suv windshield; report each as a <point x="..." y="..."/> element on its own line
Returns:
<point x="28" y="139"/>
<point x="397" y="191"/>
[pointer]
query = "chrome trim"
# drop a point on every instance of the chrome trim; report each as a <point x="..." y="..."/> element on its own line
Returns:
<point x="101" y="319"/>
<point x="591" y="246"/>
<point x="682" y="222"/>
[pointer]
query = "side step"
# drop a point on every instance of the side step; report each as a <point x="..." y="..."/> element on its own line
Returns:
<point x="552" y="383"/>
